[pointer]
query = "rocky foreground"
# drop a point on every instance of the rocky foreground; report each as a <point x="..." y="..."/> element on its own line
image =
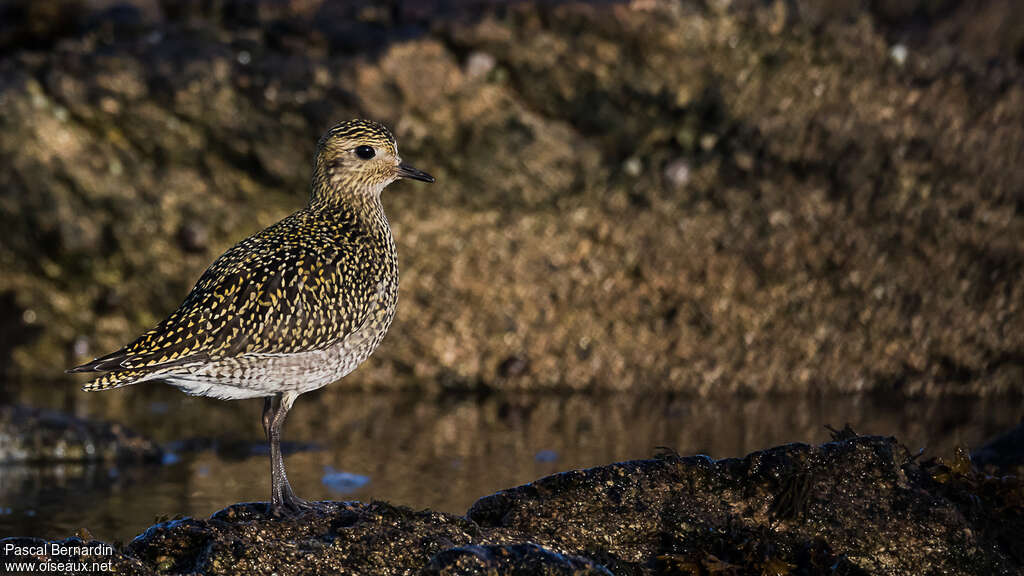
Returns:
<point x="857" y="505"/>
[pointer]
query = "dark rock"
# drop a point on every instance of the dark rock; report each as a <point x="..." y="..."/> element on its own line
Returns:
<point x="511" y="560"/>
<point x="859" y="502"/>
<point x="1004" y="453"/>
<point x="373" y="538"/>
<point x="193" y="237"/>
<point x="34" y="435"/>
<point x="858" y="506"/>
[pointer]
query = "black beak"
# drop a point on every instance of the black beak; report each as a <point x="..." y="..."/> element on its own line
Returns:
<point x="406" y="171"/>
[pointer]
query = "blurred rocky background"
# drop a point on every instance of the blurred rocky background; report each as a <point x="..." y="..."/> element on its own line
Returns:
<point x="693" y="196"/>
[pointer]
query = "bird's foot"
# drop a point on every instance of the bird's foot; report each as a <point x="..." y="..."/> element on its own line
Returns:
<point x="287" y="511"/>
<point x="291" y="506"/>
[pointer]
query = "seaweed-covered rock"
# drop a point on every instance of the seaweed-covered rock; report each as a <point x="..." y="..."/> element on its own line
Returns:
<point x="861" y="503"/>
<point x="34" y="435"/>
<point x="510" y="560"/>
<point x="858" y="505"/>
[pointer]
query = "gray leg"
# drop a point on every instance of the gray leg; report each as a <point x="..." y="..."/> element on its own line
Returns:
<point x="268" y="414"/>
<point x="282" y="499"/>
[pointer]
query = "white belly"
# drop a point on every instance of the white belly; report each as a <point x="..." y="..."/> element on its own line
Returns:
<point x="258" y="375"/>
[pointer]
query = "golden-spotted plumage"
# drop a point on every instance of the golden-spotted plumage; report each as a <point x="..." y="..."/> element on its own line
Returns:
<point x="289" y="309"/>
<point x="305" y="284"/>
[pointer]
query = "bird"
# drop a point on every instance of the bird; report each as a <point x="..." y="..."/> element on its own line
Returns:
<point x="291" y="308"/>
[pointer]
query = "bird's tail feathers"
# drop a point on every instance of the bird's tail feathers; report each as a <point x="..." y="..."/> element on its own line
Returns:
<point x="117" y="379"/>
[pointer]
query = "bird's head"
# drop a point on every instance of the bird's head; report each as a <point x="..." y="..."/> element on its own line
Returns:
<point x="358" y="157"/>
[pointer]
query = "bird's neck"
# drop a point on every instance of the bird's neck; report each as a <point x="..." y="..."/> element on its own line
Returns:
<point x="332" y="201"/>
<point x="362" y="210"/>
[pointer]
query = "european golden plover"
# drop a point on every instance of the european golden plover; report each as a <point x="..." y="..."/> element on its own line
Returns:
<point x="292" y="308"/>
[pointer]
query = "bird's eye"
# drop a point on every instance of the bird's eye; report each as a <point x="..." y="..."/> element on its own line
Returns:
<point x="365" y="152"/>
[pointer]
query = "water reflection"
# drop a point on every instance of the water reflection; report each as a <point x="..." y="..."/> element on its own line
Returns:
<point x="438" y="452"/>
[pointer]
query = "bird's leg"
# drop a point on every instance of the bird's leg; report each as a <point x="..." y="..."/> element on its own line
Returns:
<point x="282" y="498"/>
<point x="268" y="413"/>
<point x="270" y="408"/>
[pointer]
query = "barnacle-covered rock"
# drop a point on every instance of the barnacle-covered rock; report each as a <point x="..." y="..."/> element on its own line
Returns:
<point x="857" y="505"/>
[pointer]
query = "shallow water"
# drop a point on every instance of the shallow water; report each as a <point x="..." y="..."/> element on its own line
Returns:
<point x="441" y="452"/>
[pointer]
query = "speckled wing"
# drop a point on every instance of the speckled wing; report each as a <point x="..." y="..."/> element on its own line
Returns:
<point x="271" y="293"/>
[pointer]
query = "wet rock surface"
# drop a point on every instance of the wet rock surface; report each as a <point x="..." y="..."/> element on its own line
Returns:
<point x="1003" y="454"/>
<point x="756" y="196"/>
<point x="858" y="505"/>
<point x="30" y="435"/>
